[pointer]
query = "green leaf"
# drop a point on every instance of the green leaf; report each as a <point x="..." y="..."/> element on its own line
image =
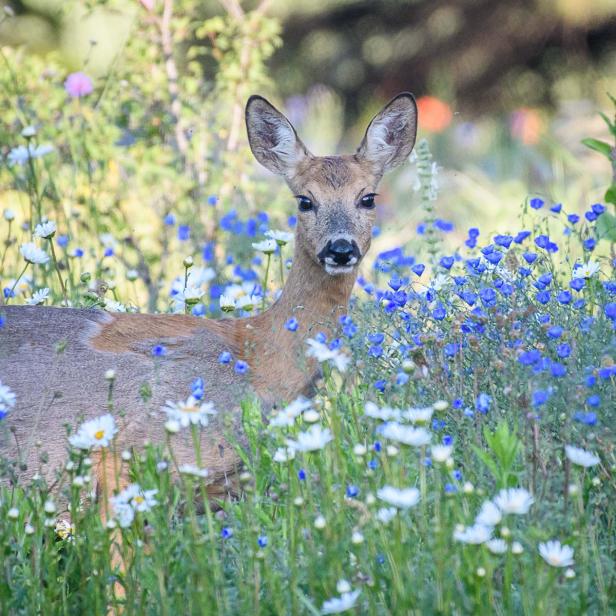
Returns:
<point x="606" y="227"/>
<point x="610" y="195"/>
<point x="487" y="461"/>
<point x="611" y="125"/>
<point x="599" y="146"/>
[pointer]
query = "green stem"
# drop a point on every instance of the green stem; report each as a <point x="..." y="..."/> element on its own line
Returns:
<point x="267" y="266"/>
<point x="8" y="299"/>
<point x="57" y="266"/>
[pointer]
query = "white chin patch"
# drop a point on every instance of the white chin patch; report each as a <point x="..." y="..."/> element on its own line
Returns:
<point x="335" y="270"/>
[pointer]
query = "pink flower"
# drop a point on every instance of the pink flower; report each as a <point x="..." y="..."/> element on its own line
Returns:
<point x="148" y="4"/>
<point x="78" y="85"/>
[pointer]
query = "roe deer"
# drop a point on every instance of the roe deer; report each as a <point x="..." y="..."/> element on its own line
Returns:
<point x="55" y="359"/>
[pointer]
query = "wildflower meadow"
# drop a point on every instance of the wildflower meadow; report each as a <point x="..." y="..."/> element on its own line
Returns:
<point x="458" y="455"/>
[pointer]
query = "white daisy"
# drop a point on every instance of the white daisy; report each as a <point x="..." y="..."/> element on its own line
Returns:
<point x="514" y="500"/>
<point x="131" y="500"/>
<point x="441" y="453"/>
<point x="280" y="237"/>
<point x="322" y="353"/>
<point x="287" y="416"/>
<point x="284" y="454"/>
<point x="191" y="412"/>
<point x="476" y="534"/>
<point x="419" y="415"/>
<point x="555" y="554"/>
<point x="38" y="297"/>
<point x="246" y="302"/>
<point x="112" y="306"/>
<point x="403" y="498"/>
<point x="581" y="457"/>
<point x="45" y="230"/>
<point x="384" y="413"/>
<point x="95" y="433"/>
<point x="497" y="546"/>
<point x="190" y="295"/>
<point x="489" y="514"/>
<point x="386" y="514"/>
<point x="585" y="270"/>
<point x="344" y="602"/>
<point x="313" y="439"/>
<point x="193" y="470"/>
<point x="32" y="254"/>
<point x="416" y="437"/>
<point x="267" y="247"/>
<point x="227" y="304"/>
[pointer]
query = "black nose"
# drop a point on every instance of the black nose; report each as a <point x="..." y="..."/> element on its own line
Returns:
<point x="340" y="251"/>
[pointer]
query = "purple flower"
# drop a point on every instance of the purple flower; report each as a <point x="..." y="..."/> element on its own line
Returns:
<point x="78" y="85"/>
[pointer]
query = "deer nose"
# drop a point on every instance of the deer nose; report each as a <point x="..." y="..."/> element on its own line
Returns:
<point x="341" y="251"/>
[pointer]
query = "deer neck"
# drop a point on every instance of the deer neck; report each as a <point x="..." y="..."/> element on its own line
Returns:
<point x="316" y="299"/>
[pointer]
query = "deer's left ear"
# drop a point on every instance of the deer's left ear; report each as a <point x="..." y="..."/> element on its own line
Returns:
<point x="390" y="137"/>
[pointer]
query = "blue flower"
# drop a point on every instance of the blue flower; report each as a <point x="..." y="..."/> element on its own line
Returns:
<point x="598" y="208"/>
<point x="241" y="367"/>
<point x="62" y="241"/>
<point x="373" y="464"/>
<point x="540" y="397"/>
<point x="458" y="403"/>
<point x="557" y="370"/>
<point x="380" y="385"/>
<point x="450" y="488"/>
<point x="610" y="310"/>
<point x="225" y="357"/>
<point x="529" y="358"/>
<point x="589" y="244"/>
<point x="555" y="332"/>
<point x="292" y="221"/>
<point x="377" y="446"/>
<point x="564" y="297"/>
<point x="108" y="252"/>
<point x="521" y="236"/>
<point x="443" y="225"/>
<point x="573" y="218"/>
<point x="590" y="380"/>
<point x="262" y="541"/>
<point x="577" y="284"/>
<point x="488" y="296"/>
<point x="594" y="400"/>
<point x="483" y="402"/>
<point x="376" y="231"/>
<point x="543" y="297"/>
<point x="503" y="240"/>
<point x="197" y="388"/>
<point x="536" y="203"/>
<point x="212" y="200"/>
<point x="352" y="491"/>
<point x="494" y="257"/>
<point x="301" y="474"/>
<point x="542" y="241"/>
<point x="439" y="313"/>
<point x="184" y="232"/>
<point x="159" y="350"/>
<point x="530" y="257"/>
<point x="292" y="324"/>
<point x="169" y="220"/>
<point x="446" y="262"/>
<point x="447" y="439"/>
<point x="418" y="269"/>
<point x="589" y="419"/>
<point x="402" y="378"/>
<point x="556" y="208"/>
<point x="226" y="532"/>
<point x="563" y="350"/>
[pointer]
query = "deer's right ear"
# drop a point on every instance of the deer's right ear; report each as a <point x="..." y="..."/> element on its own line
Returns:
<point x="272" y="138"/>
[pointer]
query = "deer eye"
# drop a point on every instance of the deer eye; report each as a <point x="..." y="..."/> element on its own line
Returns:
<point x="367" y="201"/>
<point x="304" y="204"/>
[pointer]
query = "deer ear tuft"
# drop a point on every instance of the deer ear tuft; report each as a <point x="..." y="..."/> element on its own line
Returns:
<point x="390" y="137"/>
<point x="272" y="138"/>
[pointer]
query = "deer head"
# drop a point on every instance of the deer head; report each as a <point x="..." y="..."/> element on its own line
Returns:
<point x="335" y="194"/>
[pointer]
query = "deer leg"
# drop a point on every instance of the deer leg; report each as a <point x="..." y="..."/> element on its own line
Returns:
<point x="112" y="477"/>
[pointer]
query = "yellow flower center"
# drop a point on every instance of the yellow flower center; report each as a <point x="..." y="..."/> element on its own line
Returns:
<point x="99" y="435"/>
<point x="138" y="499"/>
